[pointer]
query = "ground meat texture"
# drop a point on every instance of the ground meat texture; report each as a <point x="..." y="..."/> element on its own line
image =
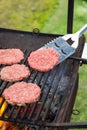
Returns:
<point x="10" y="56"/>
<point x="21" y="93"/>
<point x="43" y="60"/>
<point x="14" y="72"/>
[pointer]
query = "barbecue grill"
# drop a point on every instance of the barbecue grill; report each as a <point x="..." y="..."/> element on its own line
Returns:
<point x="59" y="86"/>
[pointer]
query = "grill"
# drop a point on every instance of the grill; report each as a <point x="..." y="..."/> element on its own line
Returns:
<point x="59" y="86"/>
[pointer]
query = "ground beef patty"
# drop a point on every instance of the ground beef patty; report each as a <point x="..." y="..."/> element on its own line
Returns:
<point x="43" y="60"/>
<point x="10" y="56"/>
<point x="22" y="93"/>
<point x="14" y="72"/>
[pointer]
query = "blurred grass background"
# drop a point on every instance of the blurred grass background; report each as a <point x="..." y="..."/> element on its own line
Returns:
<point x="25" y="14"/>
<point x="50" y="16"/>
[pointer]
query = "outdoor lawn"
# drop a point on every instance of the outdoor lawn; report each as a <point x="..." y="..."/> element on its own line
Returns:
<point x="50" y="16"/>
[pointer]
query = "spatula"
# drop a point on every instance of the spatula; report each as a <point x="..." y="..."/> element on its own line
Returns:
<point x="62" y="47"/>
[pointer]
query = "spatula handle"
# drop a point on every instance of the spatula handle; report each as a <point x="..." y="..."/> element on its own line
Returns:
<point x="82" y="30"/>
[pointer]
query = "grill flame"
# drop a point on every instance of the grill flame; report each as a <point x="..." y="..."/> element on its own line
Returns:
<point x="3" y="124"/>
<point x="2" y="110"/>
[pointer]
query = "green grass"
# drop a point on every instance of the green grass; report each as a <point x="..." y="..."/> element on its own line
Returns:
<point x="57" y="23"/>
<point x="80" y="12"/>
<point x="83" y="76"/>
<point x="80" y="15"/>
<point x="81" y="105"/>
<point x="25" y="14"/>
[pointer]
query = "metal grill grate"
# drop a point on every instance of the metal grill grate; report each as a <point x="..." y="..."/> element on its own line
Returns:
<point x="48" y="102"/>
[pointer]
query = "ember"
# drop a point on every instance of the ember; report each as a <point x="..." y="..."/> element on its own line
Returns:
<point x="8" y="126"/>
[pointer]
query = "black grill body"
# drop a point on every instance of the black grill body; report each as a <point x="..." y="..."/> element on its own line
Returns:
<point x="59" y="86"/>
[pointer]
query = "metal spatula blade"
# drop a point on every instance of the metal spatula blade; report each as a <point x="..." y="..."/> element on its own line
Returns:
<point x="62" y="47"/>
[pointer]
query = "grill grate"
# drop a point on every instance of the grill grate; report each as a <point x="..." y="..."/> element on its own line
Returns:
<point x="40" y="110"/>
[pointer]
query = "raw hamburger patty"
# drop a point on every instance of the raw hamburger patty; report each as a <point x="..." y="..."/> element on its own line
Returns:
<point x="10" y="56"/>
<point x="43" y="60"/>
<point x="14" y="72"/>
<point x="21" y="93"/>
